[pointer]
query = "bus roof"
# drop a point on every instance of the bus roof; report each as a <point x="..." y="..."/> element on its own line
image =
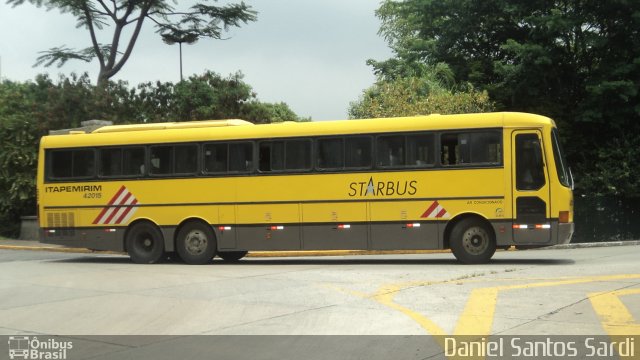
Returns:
<point x="233" y="129"/>
<point x="171" y="125"/>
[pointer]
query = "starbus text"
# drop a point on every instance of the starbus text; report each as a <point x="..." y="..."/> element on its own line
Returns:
<point x="383" y="188"/>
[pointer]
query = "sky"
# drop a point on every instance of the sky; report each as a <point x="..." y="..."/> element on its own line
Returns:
<point x="309" y="54"/>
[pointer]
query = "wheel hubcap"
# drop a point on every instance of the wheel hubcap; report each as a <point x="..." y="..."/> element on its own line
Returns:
<point x="196" y="242"/>
<point x="475" y="241"/>
<point x="144" y="242"/>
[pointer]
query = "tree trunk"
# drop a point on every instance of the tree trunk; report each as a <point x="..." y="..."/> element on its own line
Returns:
<point x="103" y="81"/>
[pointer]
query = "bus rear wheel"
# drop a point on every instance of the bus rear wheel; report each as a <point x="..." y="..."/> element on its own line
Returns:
<point x="196" y="243"/>
<point x="144" y="243"/>
<point x="231" y="256"/>
<point x="472" y="241"/>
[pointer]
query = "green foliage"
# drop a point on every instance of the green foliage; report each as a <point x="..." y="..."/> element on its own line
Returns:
<point x="174" y="25"/>
<point x="275" y="112"/>
<point x="207" y="96"/>
<point x="577" y="61"/>
<point x="18" y="159"/>
<point x="210" y="96"/>
<point x="617" y="168"/>
<point x="428" y="94"/>
<point x="29" y="110"/>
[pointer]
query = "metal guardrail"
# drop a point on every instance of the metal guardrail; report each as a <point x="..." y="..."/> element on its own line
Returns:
<point x="602" y="218"/>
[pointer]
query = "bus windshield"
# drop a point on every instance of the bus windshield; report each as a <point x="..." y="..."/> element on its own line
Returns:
<point x="564" y="174"/>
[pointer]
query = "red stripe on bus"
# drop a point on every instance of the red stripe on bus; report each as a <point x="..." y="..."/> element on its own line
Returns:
<point x="116" y="210"/>
<point x="124" y="214"/>
<point x="441" y="213"/>
<point x="104" y="210"/>
<point x="433" y="206"/>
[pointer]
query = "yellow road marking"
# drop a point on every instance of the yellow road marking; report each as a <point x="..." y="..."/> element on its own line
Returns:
<point x="614" y="315"/>
<point x="385" y="297"/>
<point x="477" y="316"/>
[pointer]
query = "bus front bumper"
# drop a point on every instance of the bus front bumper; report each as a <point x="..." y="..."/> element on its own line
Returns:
<point x="565" y="232"/>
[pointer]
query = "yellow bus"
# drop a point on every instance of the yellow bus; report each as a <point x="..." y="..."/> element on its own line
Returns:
<point x="471" y="183"/>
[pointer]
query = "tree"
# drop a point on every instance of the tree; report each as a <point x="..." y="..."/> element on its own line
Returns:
<point x="400" y="95"/>
<point x="205" y="97"/>
<point x="18" y="154"/>
<point x="200" y="20"/>
<point x="577" y="61"/>
<point x="180" y="38"/>
<point x="260" y="112"/>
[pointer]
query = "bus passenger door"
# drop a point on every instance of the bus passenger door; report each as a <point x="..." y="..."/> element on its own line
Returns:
<point x="531" y="206"/>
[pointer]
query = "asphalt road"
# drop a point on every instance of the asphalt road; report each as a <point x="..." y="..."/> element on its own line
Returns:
<point x="584" y="291"/>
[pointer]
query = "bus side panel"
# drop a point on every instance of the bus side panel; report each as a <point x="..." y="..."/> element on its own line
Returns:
<point x="503" y="232"/>
<point x="403" y="236"/>
<point x="269" y="237"/>
<point x="334" y="237"/>
<point x="226" y="235"/>
<point x="334" y="225"/>
<point x="268" y="227"/>
<point x="85" y="238"/>
<point x="397" y="225"/>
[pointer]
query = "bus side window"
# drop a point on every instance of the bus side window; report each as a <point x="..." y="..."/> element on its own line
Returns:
<point x="61" y="164"/>
<point x="330" y="153"/>
<point x="70" y="164"/>
<point x="186" y="159"/>
<point x="358" y="152"/>
<point x="484" y="148"/>
<point x="241" y="157"/>
<point x="471" y="148"/>
<point x="391" y="151"/>
<point x="111" y="162"/>
<point x="84" y="163"/>
<point x="298" y="155"/>
<point x="271" y="156"/>
<point x="449" y="149"/>
<point x="133" y="161"/>
<point x="215" y="158"/>
<point x="161" y="160"/>
<point x="420" y="150"/>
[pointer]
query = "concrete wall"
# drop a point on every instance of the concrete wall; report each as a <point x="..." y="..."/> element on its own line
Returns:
<point x="29" y="228"/>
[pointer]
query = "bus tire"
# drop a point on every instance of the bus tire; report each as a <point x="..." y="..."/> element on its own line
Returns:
<point x="196" y="243"/>
<point x="145" y="243"/>
<point x="231" y="256"/>
<point x="472" y="241"/>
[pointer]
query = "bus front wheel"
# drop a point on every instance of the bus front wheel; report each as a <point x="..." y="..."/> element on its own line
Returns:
<point x="145" y="243"/>
<point x="472" y="241"/>
<point x="196" y="243"/>
<point x="231" y="256"/>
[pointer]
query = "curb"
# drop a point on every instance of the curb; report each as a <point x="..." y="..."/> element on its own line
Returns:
<point x="57" y="249"/>
<point x="251" y="254"/>
<point x="596" y="244"/>
<point x="260" y="254"/>
<point x="342" y="253"/>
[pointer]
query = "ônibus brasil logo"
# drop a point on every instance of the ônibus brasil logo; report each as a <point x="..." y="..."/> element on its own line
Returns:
<point x="25" y="347"/>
